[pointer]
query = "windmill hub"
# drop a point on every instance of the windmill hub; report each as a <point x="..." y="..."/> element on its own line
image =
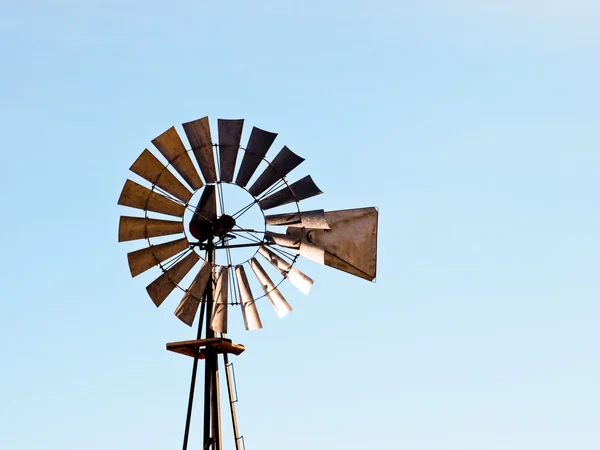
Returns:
<point x="225" y="224"/>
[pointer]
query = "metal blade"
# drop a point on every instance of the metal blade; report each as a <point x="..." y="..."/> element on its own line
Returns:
<point x="307" y="219"/>
<point x="258" y="145"/>
<point x="132" y="228"/>
<point x="205" y="215"/>
<point x="170" y="145"/>
<point x="144" y="259"/>
<point x="150" y="168"/>
<point x="279" y="303"/>
<point x="285" y="161"/>
<point x="297" y="278"/>
<point x="249" y="311"/>
<point x="188" y="307"/>
<point x="219" y="317"/>
<point x="300" y="190"/>
<point x="198" y="134"/>
<point x="351" y="244"/>
<point x="140" y="197"/>
<point x="160" y="288"/>
<point x="230" y="134"/>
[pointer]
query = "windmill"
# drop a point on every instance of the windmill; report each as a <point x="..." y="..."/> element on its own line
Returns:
<point x="210" y="255"/>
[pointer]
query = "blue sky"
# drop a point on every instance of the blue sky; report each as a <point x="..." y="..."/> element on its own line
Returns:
<point x="473" y="126"/>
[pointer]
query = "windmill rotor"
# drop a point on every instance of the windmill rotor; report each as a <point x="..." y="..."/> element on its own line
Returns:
<point x="209" y="253"/>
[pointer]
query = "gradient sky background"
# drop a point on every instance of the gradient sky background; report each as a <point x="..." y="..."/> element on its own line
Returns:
<point x="472" y="125"/>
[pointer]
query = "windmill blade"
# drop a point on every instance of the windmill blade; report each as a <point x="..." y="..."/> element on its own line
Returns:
<point x="137" y="196"/>
<point x="188" y="307"/>
<point x="300" y="190"/>
<point x="132" y="228"/>
<point x="249" y="310"/>
<point x="170" y="145"/>
<point x="285" y="161"/>
<point x="351" y="244"/>
<point x="230" y="134"/>
<point x="258" y="145"/>
<point x="219" y="317"/>
<point x="198" y="134"/>
<point x="151" y="169"/>
<point x="160" y="288"/>
<point x="144" y="259"/>
<point x="305" y="219"/>
<point x="297" y="278"/>
<point x="279" y="303"/>
<point x="205" y="215"/>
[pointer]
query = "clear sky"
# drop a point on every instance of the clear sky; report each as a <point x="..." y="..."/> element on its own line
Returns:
<point x="472" y="125"/>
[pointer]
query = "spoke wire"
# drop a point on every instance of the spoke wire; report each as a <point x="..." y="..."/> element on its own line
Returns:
<point x="256" y="200"/>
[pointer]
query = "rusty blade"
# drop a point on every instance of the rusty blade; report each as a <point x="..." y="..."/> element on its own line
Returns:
<point x="306" y="219"/>
<point x="132" y="228"/>
<point x="150" y="168"/>
<point x="144" y="259"/>
<point x="249" y="311"/>
<point x="279" y="303"/>
<point x="285" y="161"/>
<point x="186" y="311"/>
<point x="297" y="278"/>
<point x="160" y="288"/>
<point x="170" y="145"/>
<point x="258" y="145"/>
<point x="198" y="134"/>
<point x="230" y="134"/>
<point x="219" y="317"/>
<point x="140" y="197"/>
<point x="300" y="190"/>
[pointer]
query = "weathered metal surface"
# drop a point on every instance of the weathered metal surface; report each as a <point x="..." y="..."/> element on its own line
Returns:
<point x="307" y="219"/>
<point x="140" y="197"/>
<point x="188" y="307"/>
<point x="300" y="190"/>
<point x="249" y="310"/>
<point x="144" y="259"/>
<point x="230" y="134"/>
<point x="132" y="228"/>
<point x="279" y="303"/>
<point x="150" y="168"/>
<point x="285" y="161"/>
<point x="170" y="145"/>
<point x="285" y="240"/>
<point x="258" y="145"/>
<point x="219" y="318"/>
<point x="160" y="288"/>
<point x="351" y="244"/>
<point x="296" y="277"/>
<point x="205" y="215"/>
<point x="198" y="134"/>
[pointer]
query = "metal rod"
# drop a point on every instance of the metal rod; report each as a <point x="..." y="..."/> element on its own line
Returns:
<point x="231" y="401"/>
<point x="240" y="245"/>
<point x="209" y="334"/>
<point x="216" y="404"/>
<point x="188" y="419"/>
